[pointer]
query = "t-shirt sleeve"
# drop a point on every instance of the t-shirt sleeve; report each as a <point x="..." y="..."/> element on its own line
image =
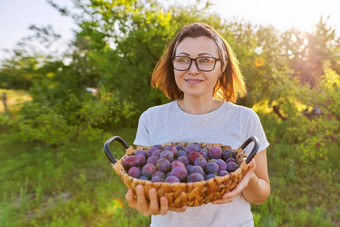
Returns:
<point x="255" y="129"/>
<point x="142" y="136"/>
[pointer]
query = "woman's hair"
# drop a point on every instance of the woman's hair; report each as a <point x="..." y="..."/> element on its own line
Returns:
<point x="229" y="86"/>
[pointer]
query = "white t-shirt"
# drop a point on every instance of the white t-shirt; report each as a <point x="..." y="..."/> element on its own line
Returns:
<point x="231" y="125"/>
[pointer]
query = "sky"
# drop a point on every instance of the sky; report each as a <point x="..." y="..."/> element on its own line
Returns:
<point x="17" y="15"/>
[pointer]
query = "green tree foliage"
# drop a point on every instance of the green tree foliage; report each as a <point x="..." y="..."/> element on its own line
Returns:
<point x="121" y="41"/>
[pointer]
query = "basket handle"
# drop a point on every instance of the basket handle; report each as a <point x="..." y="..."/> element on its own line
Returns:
<point x="107" y="150"/>
<point x="255" y="148"/>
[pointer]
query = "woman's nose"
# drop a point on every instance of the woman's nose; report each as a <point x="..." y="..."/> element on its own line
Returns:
<point x="193" y="68"/>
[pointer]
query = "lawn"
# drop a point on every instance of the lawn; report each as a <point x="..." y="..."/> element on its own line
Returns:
<point x="79" y="187"/>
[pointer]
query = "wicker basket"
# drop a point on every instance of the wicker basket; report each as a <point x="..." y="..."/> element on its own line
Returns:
<point x="190" y="194"/>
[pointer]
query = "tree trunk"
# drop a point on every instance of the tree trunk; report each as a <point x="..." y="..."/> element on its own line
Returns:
<point x="4" y="100"/>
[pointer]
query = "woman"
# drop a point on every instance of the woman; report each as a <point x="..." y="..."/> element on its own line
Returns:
<point x="200" y="74"/>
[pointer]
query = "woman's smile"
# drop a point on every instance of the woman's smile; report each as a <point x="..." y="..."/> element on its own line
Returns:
<point x="193" y="81"/>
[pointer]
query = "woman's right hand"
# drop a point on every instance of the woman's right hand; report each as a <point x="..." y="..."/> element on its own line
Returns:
<point x="155" y="207"/>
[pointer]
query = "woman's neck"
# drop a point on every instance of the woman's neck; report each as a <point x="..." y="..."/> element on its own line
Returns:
<point x="198" y="105"/>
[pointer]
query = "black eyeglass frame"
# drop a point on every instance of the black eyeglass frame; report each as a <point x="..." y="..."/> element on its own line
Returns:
<point x="194" y="59"/>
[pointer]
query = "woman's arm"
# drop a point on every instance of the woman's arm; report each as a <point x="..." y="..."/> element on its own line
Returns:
<point x="254" y="185"/>
<point x="258" y="188"/>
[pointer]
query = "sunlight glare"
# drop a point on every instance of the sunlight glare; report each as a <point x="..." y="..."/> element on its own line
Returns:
<point x="114" y="206"/>
<point x="259" y="61"/>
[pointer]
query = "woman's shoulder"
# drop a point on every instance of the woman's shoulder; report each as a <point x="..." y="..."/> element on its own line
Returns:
<point x="159" y="109"/>
<point x="239" y="109"/>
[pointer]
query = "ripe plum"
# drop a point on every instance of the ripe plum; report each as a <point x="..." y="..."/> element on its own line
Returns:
<point x="176" y="163"/>
<point x="129" y="162"/>
<point x="194" y="177"/>
<point x="157" y="179"/>
<point x="214" y="152"/>
<point x="148" y="170"/>
<point x="172" y="179"/>
<point x="230" y="160"/>
<point x="192" y="147"/>
<point x="200" y="161"/>
<point x="152" y="160"/>
<point x="184" y="159"/>
<point x="171" y="148"/>
<point x="209" y="176"/>
<point x="181" y="153"/>
<point x="196" y="169"/>
<point x="180" y="147"/>
<point x="193" y="156"/>
<point x="140" y="152"/>
<point x="163" y="165"/>
<point x="159" y="173"/>
<point x="168" y="155"/>
<point x="135" y="172"/>
<point x="203" y="152"/>
<point x="180" y="172"/>
<point x="211" y="167"/>
<point x="221" y="164"/>
<point x="141" y="160"/>
<point x="228" y="153"/>
<point x="223" y="172"/>
<point x="231" y="166"/>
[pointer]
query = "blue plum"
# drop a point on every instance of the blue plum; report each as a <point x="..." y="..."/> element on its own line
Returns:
<point x="194" y="177"/>
<point x="180" y="147"/>
<point x="140" y="152"/>
<point x="223" y="172"/>
<point x="184" y="159"/>
<point x="180" y="172"/>
<point x="129" y="162"/>
<point x="172" y="179"/>
<point x="196" y="169"/>
<point x="192" y="156"/>
<point x="152" y="160"/>
<point x="209" y="176"/>
<point x="176" y="163"/>
<point x="135" y="172"/>
<point x="168" y="155"/>
<point x="211" y="167"/>
<point x="231" y="166"/>
<point x="214" y="152"/>
<point x="148" y="170"/>
<point x="163" y="165"/>
<point x="221" y="164"/>
<point x="192" y="147"/>
<point x="201" y="161"/>
<point x="228" y="153"/>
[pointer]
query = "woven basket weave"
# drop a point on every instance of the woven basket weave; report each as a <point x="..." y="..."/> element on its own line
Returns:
<point x="190" y="194"/>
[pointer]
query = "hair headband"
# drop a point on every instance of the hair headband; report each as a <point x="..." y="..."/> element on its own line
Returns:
<point x="222" y="48"/>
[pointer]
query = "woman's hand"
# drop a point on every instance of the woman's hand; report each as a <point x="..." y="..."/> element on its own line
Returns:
<point x="229" y="196"/>
<point x="155" y="207"/>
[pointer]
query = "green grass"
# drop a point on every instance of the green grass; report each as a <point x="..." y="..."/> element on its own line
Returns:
<point x="80" y="188"/>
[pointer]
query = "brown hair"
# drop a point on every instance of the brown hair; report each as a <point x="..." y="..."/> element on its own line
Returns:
<point x="229" y="86"/>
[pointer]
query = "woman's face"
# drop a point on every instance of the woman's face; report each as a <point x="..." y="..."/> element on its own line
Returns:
<point x="194" y="82"/>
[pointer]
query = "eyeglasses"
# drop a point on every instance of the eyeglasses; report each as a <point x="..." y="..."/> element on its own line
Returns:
<point x="205" y="64"/>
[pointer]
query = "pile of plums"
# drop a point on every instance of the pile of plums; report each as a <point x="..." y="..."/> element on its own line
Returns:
<point x="176" y="163"/>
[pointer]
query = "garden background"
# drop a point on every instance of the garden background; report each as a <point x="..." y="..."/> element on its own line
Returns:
<point x="61" y="109"/>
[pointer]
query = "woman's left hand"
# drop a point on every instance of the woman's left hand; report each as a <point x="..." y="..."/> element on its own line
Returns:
<point x="229" y="196"/>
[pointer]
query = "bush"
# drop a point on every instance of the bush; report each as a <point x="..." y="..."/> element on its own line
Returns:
<point x="316" y="129"/>
<point x="78" y="118"/>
